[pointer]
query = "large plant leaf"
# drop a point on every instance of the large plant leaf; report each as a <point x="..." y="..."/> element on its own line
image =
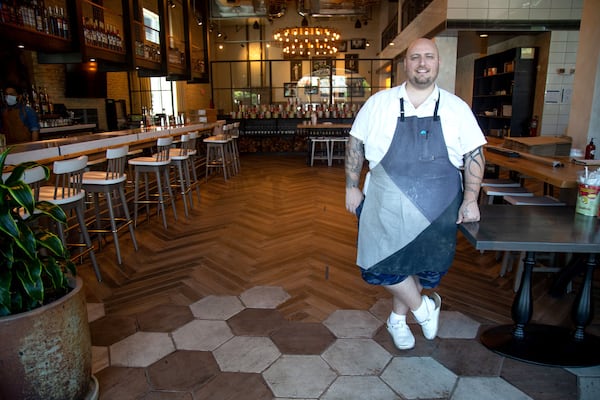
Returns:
<point x="31" y="279"/>
<point x="52" y="242"/>
<point x="8" y="225"/>
<point x="5" y="295"/>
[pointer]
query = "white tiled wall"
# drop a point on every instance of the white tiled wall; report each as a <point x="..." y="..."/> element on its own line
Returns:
<point x="559" y="84"/>
<point x="515" y="9"/>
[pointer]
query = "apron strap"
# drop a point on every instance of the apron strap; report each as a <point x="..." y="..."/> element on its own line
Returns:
<point x="436" y="117"/>
<point x="402" y="109"/>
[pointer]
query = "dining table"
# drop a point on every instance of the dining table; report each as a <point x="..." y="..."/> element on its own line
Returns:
<point x="534" y="229"/>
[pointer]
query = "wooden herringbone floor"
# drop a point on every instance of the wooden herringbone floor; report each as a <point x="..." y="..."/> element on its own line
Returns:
<point x="283" y="223"/>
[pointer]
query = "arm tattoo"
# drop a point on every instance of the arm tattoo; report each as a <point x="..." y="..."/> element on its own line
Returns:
<point x="474" y="169"/>
<point x="355" y="157"/>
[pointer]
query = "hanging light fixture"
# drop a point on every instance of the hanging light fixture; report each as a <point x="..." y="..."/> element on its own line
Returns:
<point x="307" y="41"/>
<point x="357" y="24"/>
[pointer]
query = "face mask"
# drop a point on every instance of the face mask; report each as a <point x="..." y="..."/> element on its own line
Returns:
<point x="11" y="100"/>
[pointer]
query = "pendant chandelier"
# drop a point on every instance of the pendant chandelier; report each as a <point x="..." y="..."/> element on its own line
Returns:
<point x="307" y="41"/>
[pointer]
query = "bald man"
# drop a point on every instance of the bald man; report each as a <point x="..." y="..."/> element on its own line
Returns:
<point x="416" y="138"/>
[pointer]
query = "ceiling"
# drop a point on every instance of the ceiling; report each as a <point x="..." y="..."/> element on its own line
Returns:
<point x="227" y="9"/>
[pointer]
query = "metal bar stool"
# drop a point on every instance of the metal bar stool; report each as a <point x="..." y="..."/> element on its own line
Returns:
<point x="316" y="146"/>
<point x="216" y="154"/>
<point x="180" y="161"/>
<point x="337" y="148"/>
<point x="157" y="164"/>
<point x="110" y="183"/>
<point x="192" y="151"/>
<point x="67" y="192"/>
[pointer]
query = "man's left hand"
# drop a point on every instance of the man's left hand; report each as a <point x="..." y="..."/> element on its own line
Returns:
<point x="468" y="212"/>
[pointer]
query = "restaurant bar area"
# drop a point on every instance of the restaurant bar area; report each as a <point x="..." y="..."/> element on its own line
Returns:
<point x="175" y="219"/>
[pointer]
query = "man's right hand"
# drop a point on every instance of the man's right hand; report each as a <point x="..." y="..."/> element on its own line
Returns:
<point x="354" y="196"/>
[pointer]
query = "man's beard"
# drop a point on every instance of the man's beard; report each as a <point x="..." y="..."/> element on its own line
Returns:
<point x="422" y="81"/>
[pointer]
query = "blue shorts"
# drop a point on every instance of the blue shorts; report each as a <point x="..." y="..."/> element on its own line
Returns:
<point x="428" y="279"/>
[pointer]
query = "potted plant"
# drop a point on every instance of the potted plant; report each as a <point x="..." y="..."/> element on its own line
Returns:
<point x="45" y="350"/>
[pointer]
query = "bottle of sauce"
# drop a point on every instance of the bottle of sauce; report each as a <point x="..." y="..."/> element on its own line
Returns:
<point x="533" y="126"/>
<point x="590" y="150"/>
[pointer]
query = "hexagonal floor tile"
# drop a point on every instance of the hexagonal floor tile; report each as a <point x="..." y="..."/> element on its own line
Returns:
<point x="486" y="388"/>
<point x="357" y="357"/>
<point x="299" y="376"/>
<point x="302" y="338"/>
<point x="246" y="354"/>
<point x="164" y="318"/>
<point x="352" y="324"/>
<point x="456" y="325"/>
<point x="256" y="322"/>
<point x="141" y="349"/>
<point x="419" y="378"/>
<point x="109" y="330"/>
<point x="182" y="370"/>
<point x="359" y="387"/>
<point x="217" y="307"/>
<point x="122" y="383"/>
<point x="202" y="335"/>
<point x="264" y="297"/>
<point x="234" y="385"/>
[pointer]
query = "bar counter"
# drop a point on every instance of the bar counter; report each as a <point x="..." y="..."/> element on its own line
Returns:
<point x="95" y="145"/>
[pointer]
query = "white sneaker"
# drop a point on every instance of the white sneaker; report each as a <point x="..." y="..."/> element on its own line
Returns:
<point x="431" y="324"/>
<point x="401" y="334"/>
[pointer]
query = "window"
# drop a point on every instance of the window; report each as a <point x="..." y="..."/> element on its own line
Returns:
<point x="155" y="94"/>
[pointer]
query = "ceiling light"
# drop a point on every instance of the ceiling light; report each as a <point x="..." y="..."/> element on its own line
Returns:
<point x="199" y="21"/>
<point x="219" y="34"/>
<point x="483" y="35"/>
<point x="171" y="4"/>
<point x="357" y="24"/>
<point x="368" y="43"/>
<point x="307" y="41"/>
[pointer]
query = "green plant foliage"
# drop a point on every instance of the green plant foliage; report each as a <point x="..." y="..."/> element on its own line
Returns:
<point x="34" y="263"/>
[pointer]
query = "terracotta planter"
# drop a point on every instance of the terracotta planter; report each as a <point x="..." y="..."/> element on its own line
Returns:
<point x="46" y="353"/>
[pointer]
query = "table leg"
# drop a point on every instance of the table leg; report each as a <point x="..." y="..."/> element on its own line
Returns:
<point x="546" y="344"/>
<point x="522" y="307"/>
<point x="582" y="307"/>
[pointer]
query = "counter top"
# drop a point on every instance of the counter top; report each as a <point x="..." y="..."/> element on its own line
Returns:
<point x="46" y="151"/>
<point x="68" y="128"/>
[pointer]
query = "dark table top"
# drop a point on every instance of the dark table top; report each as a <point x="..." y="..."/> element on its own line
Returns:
<point x="533" y="228"/>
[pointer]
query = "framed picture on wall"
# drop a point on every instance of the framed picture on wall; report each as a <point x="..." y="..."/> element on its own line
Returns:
<point x="355" y="87"/>
<point x="343" y="46"/>
<point x="295" y="70"/>
<point x="358" y="44"/>
<point x="351" y="62"/>
<point x="322" y="65"/>
<point x="289" y="89"/>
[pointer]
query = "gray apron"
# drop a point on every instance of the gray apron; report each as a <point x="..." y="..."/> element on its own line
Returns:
<point x="408" y="220"/>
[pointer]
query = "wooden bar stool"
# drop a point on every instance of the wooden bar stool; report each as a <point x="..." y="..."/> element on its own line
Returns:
<point x="158" y="165"/>
<point x="111" y="183"/>
<point x="68" y="193"/>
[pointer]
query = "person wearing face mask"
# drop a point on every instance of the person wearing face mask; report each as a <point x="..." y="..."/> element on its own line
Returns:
<point x="18" y="122"/>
